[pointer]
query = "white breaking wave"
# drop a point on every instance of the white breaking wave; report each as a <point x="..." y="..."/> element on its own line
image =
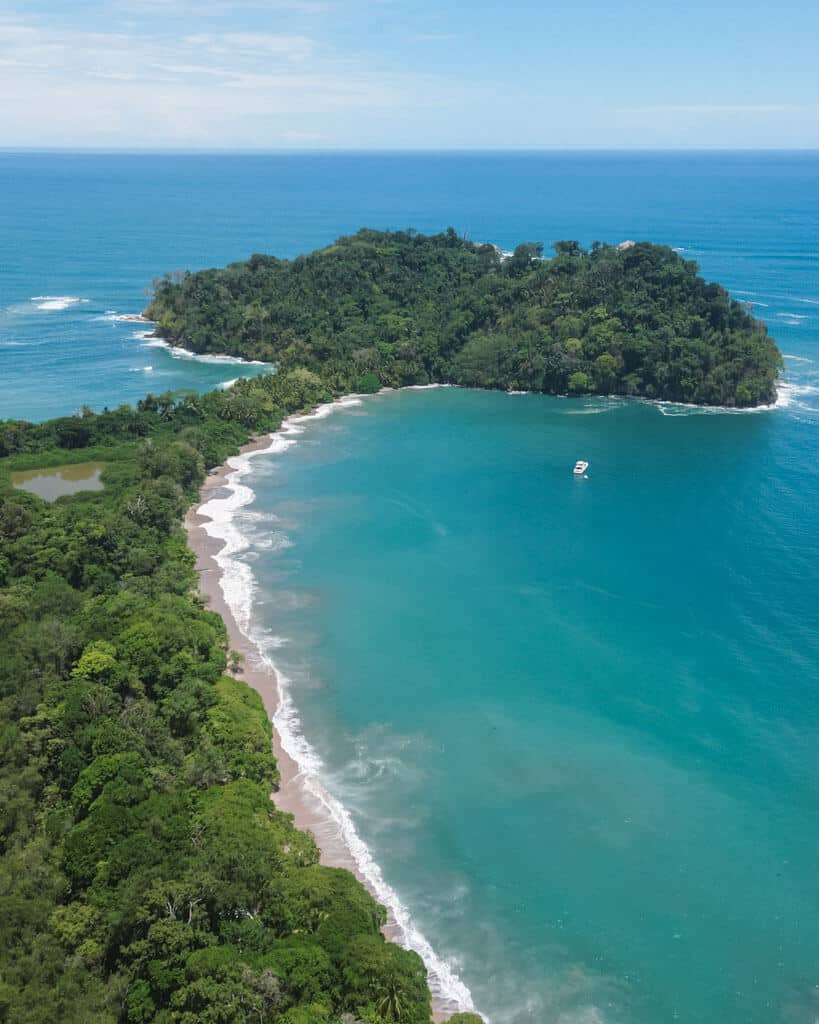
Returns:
<point x="792" y="395"/>
<point x="131" y="318"/>
<point x="57" y="302"/>
<point x="784" y="392"/>
<point x="239" y="588"/>
<point x="226" y="385"/>
<point x="785" y="297"/>
<point x="183" y="353"/>
<point x="788" y="395"/>
<point x="140" y="369"/>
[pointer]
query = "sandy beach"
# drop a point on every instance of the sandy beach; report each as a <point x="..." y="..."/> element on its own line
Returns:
<point x="292" y="795"/>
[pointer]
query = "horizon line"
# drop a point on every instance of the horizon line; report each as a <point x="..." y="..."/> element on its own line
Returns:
<point x="388" y="151"/>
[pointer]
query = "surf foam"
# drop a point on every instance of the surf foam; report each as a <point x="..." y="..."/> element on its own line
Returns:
<point x="56" y="302"/>
<point x="793" y="395"/>
<point x="182" y="353"/>
<point x="783" y="391"/>
<point x="129" y="318"/>
<point x="239" y="588"/>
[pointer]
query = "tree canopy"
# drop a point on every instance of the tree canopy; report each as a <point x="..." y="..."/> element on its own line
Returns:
<point x="381" y="308"/>
<point x="145" y="873"/>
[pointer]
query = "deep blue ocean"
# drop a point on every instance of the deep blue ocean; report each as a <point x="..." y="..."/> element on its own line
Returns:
<point x="576" y="722"/>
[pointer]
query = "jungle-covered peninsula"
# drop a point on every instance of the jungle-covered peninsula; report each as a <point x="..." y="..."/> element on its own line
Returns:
<point x="145" y="874"/>
<point x="397" y="308"/>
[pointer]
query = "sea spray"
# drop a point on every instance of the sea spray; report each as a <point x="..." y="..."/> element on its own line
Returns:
<point x="239" y="587"/>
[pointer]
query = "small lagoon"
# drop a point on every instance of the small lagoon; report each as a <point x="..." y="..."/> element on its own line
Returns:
<point x="60" y="481"/>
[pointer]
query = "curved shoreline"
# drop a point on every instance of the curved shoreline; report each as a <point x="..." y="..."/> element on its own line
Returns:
<point x="228" y="587"/>
<point x="784" y="390"/>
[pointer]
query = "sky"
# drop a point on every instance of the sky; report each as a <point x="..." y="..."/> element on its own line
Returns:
<point x="408" y="74"/>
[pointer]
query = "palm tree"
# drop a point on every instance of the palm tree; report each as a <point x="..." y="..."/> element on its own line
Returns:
<point x="390" y="1005"/>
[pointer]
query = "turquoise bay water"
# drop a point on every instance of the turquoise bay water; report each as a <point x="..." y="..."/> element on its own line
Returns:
<point x="575" y="720"/>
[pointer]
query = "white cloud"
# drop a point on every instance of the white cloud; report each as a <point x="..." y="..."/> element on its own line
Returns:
<point x="60" y="87"/>
<point x="434" y="37"/>
<point x="194" y="69"/>
<point x="298" y="138"/>
<point x="218" y="8"/>
<point x="295" y="47"/>
<point x="712" y="109"/>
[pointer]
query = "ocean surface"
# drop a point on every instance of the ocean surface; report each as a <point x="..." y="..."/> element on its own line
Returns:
<point x="570" y="727"/>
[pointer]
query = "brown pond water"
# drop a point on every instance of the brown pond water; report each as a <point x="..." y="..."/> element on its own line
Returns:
<point x="57" y="481"/>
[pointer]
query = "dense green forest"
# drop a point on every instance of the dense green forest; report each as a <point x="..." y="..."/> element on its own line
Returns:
<point x="380" y="308"/>
<point x="145" y="873"/>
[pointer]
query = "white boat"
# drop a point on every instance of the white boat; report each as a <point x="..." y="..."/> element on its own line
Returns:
<point x="580" y="467"/>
